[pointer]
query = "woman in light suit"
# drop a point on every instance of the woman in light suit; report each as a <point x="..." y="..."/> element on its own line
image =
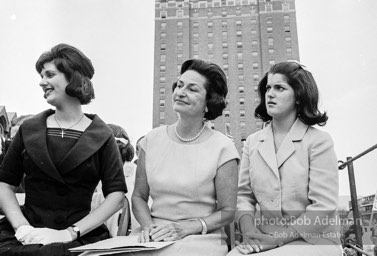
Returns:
<point x="289" y="169"/>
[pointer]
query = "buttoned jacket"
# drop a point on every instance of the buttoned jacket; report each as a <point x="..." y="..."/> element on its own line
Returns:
<point x="297" y="185"/>
<point x="58" y="196"/>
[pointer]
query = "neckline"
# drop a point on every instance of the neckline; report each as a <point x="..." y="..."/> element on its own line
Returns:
<point x="185" y="143"/>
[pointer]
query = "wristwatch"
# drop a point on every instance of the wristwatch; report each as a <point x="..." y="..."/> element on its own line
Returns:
<point x="76" y="229"/>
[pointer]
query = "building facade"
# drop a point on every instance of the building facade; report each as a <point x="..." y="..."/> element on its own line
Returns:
<point x="244" y="37"/>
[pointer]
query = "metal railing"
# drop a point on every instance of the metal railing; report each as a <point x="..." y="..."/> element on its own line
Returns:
<point x="351" y="176"/>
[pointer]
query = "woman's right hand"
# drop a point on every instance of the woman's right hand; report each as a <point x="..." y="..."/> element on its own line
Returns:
<point x="144" y="236"/>
<point x="249" y="245"/>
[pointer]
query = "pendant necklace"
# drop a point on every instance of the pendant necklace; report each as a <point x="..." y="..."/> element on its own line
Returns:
<point x="190" y="139"/>
<point x="64" y="129"/>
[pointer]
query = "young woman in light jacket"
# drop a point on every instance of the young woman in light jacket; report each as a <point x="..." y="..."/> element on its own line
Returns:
<point x="289" y="169"/>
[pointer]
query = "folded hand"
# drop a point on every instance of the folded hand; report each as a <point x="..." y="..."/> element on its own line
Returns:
<point x="168" y="232"/>
<point x="47" y="236"/>
<point x="22" y="232"/>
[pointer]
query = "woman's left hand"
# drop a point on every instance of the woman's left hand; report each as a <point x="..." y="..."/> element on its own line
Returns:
<point x="267" y="241"/>
<point x="168" y="232"/>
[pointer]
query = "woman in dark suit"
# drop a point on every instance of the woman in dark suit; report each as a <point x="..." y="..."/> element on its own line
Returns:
<point x="61" y="154"/>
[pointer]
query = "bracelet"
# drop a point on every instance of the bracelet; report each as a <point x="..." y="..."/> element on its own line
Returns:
<point x="204" y="226"/>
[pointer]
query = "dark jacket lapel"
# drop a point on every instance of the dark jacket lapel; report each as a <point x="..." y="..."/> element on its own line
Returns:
<point x="93" y="138"/>
<point x="34" y="138"/>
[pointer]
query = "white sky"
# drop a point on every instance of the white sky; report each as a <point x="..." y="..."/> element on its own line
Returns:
<point x="337" y="40"/>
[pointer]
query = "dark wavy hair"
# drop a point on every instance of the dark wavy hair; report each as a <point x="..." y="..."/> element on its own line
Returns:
<point x="127" y="151"/>
<point x="305" y="90"/>
<point x="76" y="67"/>
<point x="216" y="85"/>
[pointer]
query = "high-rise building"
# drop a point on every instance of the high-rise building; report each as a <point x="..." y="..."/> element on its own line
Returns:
<point x="244" y="37"/>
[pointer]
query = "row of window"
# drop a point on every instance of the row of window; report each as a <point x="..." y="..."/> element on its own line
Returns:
<point x="180" y="13"/>
<point x="205" y="4"/>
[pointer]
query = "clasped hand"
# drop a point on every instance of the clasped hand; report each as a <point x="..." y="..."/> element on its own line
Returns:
<point x="163" y="232"/>
<point x="256" y="241"/>
<point x="30" y="235"/>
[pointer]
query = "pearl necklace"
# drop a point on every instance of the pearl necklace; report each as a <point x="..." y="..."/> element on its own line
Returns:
<point x="64" y="129"/>
<point x="190" y="139"/>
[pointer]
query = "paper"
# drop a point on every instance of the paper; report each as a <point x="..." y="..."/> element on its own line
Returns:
<point x="119" y="244"/>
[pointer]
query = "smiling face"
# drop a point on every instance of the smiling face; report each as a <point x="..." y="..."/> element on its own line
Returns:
<point x="189" y="97"/>
<point x="53" y="84"/>
<point x="280" y="97"/>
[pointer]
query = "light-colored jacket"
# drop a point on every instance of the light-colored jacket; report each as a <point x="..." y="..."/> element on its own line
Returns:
<point x="297" y="186"/>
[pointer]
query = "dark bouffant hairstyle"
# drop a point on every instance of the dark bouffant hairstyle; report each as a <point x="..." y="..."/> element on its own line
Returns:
<point x="126" y="150"/>
<point x="77" y="68"/>
<point x="216" y="85"/>
<point x="305" y="89"/>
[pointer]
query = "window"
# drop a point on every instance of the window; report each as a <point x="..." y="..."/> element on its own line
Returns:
<point x="287" y="28"/>
<point x="226" y="113"/>
<point x="162" y="68"/>
<point x="225" y="56"/>
<point x="196" y="24"/>
<point x="179" y="24"/>
<point x="210" y="46"/>
<point x="162" y="79"/>
<point x="241" y="89"/>
<point x="163" y="47"/>
<point x="254" y="54"/>
<point x="225" y="35"/>
<point x="269" y="29"/>
<point x="268" y="7"/>
<point x="271" y="62"/>
<point x="162" y="91"/>
<point x="286" y="19"/>
<point x="224" y="24"/>
<point x="285" y="7"/>
<point x="239" y="56"/>
<point x="255" y="65"/>
<point x="223" y="13"/>
<point x="288" y="39"/>
<point x="210" y="34"/>
<point x="163" y="14"/>
<point x="163" y="34"/>
<point x="196" y="47"/>
<point x="239" y="45"/>
<point x="162" y="115"/>
<point x="242" y="113"/>
<point x="162" y="103"/>
<point x="163" y="25"/>
<point x="271" y="51"/>
<point x="179" y="13"/>
<point x="289" y="51"/>
<point x="162" y="58"/>
<point x="180" y="46"/>
<point x="239" y="35"/>
<point x="240" y="78"/>
<point x="242" y="101"/>
<point x="242" y="124"/>
<point x="210" y="24"/>
<point x="256" y="77"/>
<point x="270" y="41"/>
<point x="225" y="45"/>
<point x="238" y="23"/>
